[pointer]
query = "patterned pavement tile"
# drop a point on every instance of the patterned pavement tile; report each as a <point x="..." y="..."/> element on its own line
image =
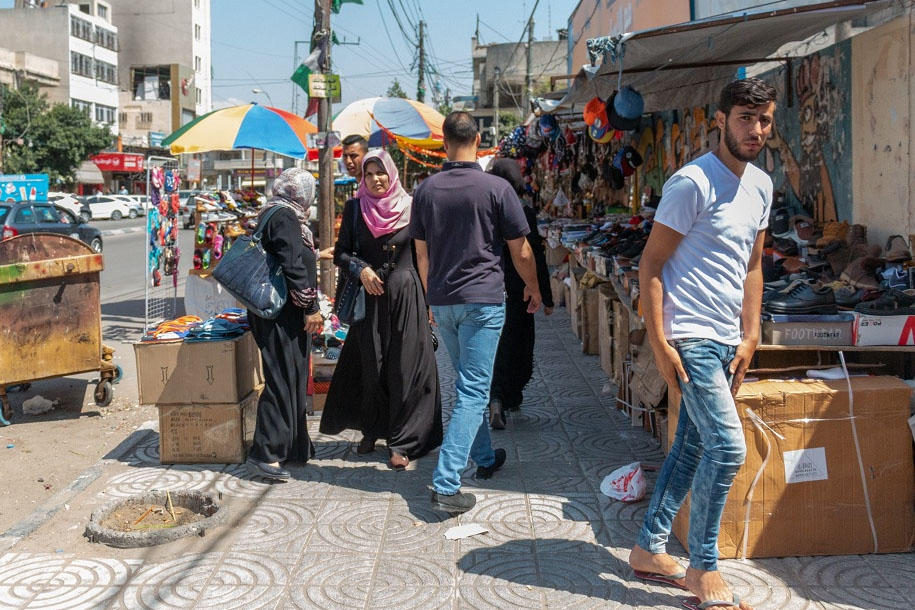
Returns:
<point x="498" y="597"/>
<point x="498" y="507"/>
<point x="280" y="525"/>
<point x="870" y="598"/>
<point x="350" y="527"/>
<point x="241" y="597"/>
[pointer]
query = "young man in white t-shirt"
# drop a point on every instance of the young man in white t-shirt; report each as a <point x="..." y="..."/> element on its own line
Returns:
<point x="701" y="282"/>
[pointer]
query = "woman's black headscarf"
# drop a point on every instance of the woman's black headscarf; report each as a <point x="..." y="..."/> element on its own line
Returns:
<point x="508" y="169"/>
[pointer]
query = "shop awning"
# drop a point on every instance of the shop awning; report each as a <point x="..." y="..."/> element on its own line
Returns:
<point x="685" y="65"/>
<point x="89" y="173"/>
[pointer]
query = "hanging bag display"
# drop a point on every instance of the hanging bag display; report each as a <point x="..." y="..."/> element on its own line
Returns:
<point x="350" y="301"/>
<point x="253" y="275"/>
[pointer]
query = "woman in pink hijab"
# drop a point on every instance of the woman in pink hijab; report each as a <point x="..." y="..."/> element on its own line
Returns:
<point x="386" y="381"/>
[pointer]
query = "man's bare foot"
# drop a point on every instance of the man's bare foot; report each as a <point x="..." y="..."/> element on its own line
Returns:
<point x="655" y="563"/>
<point x="709" y="584"/>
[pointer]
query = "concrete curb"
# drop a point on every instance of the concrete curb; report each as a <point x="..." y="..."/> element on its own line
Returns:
<point x="26" y="526"/>
<point x="111" y="232"/>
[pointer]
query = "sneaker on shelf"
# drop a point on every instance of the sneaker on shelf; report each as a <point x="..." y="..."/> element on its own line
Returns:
<point x="895" y="276"/>
<point x="893" y="303"/>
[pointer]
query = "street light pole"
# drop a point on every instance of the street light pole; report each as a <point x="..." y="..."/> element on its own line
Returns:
<point x="256" y="91"/>
<point x="326" y="154"/>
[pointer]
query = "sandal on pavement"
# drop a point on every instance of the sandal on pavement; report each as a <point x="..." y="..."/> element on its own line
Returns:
<point x="398" y="461"/>
<point x="693" y="603"/>
<point x="666" y="579"/>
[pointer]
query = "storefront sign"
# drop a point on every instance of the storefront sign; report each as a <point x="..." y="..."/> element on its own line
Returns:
<point x="23" y="187"/>
<point x="155" y="139"/>
<point x="324" y="85"/>
<point x="193" y="170"/>
<point x="118" y="162"/>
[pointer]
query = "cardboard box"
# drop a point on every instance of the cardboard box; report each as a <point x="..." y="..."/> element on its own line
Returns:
<point x="620" y="339"/>
<point x="575" y="302"/>
<point x="207" y="433"/>
<point x="556" y="256"/>
<point x="607" y="297"/>
<point x="182" y="373"/>
<point x="809" y="499"/>
<point x="647" y="382"/>
<point x="590" y="331"/>
<point x="558" y="291"/>
<point x="884" y="330"/>
<point x="808" y="330"/>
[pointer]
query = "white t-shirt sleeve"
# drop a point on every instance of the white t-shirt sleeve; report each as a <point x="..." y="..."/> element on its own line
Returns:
<point x="680" y="205"/>
<point x="768" y="195"/>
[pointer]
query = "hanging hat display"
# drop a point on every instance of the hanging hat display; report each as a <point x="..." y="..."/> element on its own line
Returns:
<point x="625" y="109"/>
<point x="549" y="127"/>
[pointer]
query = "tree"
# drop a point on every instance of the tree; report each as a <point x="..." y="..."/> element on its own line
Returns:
<point x="395" y="90"/>
<point x="507" y="122"/>
<point x="46" y="139"/>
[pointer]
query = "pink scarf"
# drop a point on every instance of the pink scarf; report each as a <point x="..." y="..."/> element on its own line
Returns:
<point x="391" y="211"/>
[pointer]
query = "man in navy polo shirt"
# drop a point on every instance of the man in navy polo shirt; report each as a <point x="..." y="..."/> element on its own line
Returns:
<point x="462" y="218"/>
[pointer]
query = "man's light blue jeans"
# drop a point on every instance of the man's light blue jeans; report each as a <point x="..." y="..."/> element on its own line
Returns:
<point x="706" y="454"/>
<point x="470" y="333"/>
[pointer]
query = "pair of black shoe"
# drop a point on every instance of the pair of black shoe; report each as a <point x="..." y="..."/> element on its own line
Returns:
<point x="802" y="298"/>
<point x="463" y="501"/>
<point x="264" y="470"/>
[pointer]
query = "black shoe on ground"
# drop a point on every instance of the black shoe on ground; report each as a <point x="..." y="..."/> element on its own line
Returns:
<point x="460" y="502"/>
<point x="496" y="415"/>
<point x="265" y="470"/>
<point x="804" y="299"/>
<point x="486" y="472"/>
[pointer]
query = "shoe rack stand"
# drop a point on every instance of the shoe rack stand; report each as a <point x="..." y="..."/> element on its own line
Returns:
<point x="161" y="236"/>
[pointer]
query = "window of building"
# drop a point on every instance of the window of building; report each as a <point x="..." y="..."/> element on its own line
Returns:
<point x="151" y="83"/>
<point x="105" y="114"/>
<point x="106" y="38"/>
<point x="102" y="11"/>
<point x="85" y="8"/>
<point x="199" y="97"/>
<point x="81" y="105"/>
<point x="105" y="72"/>
<point x="122" y="120"/>
<point x="197" y="4"/>
<point x="144" y="120"/>
<point x="198" y="64"/>
<point x="196" y="32"/>
<point x="81" y="64"/>
<point x="81" y="28"/>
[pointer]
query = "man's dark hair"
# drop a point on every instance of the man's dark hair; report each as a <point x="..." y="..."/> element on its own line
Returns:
<point x="745" y="92"/>
<point x="460" y="128"/>
<point x="356" y="139"/>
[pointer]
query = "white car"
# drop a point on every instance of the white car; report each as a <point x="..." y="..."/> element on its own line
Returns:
<point x="70" y="202"/>
<point x="114" y="207"/>
<point x="136" y="205"/>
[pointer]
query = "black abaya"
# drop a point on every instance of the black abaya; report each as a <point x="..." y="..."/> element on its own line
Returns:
<point x="514" y="363"/>
<point x="386" y="381"/>
<point x="281" y="434"/>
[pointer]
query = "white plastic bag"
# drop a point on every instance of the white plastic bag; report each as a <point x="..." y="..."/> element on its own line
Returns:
<point x="626" y="483"/>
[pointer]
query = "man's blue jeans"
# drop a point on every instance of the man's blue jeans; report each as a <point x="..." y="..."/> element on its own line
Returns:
<point x="707" y="452"/>
<point x="470" y="333"/>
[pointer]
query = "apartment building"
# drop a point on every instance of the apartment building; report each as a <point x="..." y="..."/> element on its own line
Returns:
<point x="81" y="38"/>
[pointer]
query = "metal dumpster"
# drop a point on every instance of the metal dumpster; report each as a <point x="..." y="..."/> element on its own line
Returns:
<point x="50" y="314"/>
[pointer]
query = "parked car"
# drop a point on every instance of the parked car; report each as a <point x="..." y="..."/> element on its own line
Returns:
<point x="187" y="208"/>
<point x="143" y="200"/>
<point x="71" y="202"/>
<point x="136" y="208"/>
<point x="43" y="217"/>
<point x="109" y="206"/>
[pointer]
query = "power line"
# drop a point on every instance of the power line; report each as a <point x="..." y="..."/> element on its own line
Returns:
<point x="390" y="40"/>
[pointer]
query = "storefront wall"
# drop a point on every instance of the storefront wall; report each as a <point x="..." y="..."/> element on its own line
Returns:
<point x="883" y="107"/>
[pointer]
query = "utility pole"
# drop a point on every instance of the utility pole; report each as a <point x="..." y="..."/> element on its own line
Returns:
<point x="528" y="92"/>
<point x="495" y="102"/>
<point x="326" y="154"/>
<point x="421" y="83"/>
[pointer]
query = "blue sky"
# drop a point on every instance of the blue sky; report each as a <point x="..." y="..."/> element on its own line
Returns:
<point x="253" y="41"/>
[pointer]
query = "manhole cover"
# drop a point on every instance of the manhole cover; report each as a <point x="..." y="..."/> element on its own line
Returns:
<point x="155" y="517"/>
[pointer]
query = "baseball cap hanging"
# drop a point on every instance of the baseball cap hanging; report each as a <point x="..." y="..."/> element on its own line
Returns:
<point x="629" y="160"/>
<point x="595" y="115"/>
<point x="549" y="127"/>
<point x="625" y="109"/>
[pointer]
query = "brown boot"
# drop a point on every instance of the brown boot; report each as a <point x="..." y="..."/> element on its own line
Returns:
<point x="861" y="272"/>
<point x="833" y="231"/>
<point x="857" y="241"/>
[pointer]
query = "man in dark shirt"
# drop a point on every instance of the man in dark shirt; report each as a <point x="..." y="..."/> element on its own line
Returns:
<point x="462" y="218"/>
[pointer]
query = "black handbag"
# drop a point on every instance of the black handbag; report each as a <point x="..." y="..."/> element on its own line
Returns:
<point x="252" y="275"/>
<point x="350" y="300"/>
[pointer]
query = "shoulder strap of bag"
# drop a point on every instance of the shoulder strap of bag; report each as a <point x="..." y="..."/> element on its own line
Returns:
<point x="262" y="223"/>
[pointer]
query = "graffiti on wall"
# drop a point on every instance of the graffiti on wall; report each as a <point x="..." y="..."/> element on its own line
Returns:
<point x="809" y="152"/>
<point x="672" y="140"/>
<point x="808" y="155"/>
